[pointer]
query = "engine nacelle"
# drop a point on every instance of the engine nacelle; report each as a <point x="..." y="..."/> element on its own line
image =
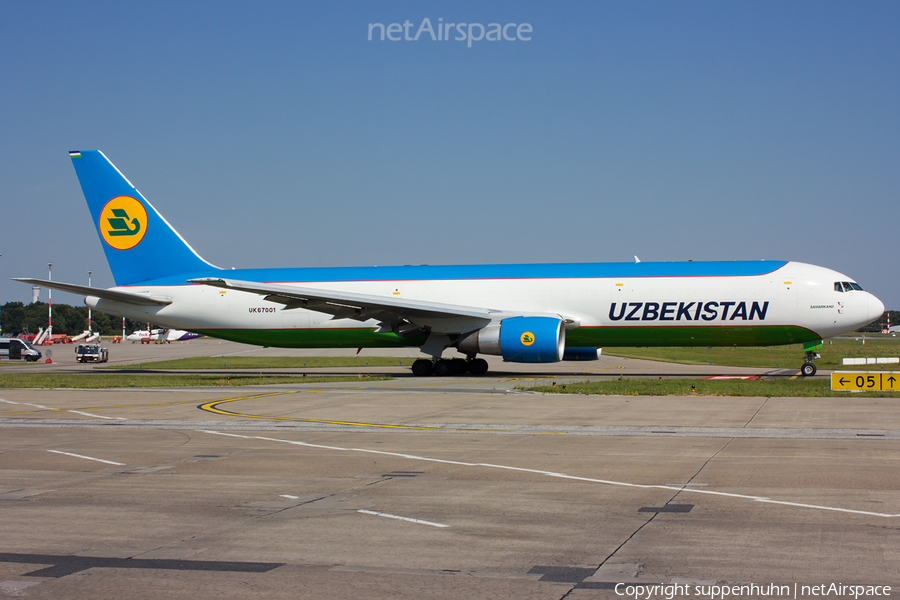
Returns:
<point x="519" y="339"/>
<point x="588" y="353"/>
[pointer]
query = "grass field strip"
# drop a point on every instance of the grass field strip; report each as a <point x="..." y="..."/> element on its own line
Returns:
<point x="677" y="488"/>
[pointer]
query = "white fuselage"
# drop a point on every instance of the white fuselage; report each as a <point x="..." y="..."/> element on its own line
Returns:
<point x="798" y="296"/>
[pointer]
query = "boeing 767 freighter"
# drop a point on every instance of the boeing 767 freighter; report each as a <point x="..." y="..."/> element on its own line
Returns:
<point x="529" y="313"/>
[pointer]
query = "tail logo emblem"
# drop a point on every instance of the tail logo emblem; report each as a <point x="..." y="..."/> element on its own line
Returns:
<point x="123" y="222"/>
<point x="527" y="338"/>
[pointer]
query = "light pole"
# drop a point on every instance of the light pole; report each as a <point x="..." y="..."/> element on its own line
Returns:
<point x="50" y="303"/>
<point x="89" y="308"/>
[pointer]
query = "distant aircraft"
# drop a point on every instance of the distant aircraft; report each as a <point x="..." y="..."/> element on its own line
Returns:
<point x="529" y="313"/>
<point x="137" y="336"/>
<point x="178" y="335"/>
<point x="166" y="335"/>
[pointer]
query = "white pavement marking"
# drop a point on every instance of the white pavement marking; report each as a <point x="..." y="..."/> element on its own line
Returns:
<point x="420" y="522"/>
<point x="109" y="462"/>
<point x="71" y="411"/>
<point x="289" y="496"/>
<point x="678" y="488"/>
<point x="14" y="588"/>
<point x="246" y="437"/>
<point x="97" y="416"/>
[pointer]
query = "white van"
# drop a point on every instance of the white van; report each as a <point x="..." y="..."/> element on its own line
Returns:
<point x="16" y="349"/>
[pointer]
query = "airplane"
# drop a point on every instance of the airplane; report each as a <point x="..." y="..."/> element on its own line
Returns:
<point x="167" y="335"/>
<point x="137" y="336"/>
<point x="178" y="335"/>
<point x="526" y="313"/>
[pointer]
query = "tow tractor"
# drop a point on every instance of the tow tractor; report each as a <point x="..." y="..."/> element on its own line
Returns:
<point x="91" y="353"/>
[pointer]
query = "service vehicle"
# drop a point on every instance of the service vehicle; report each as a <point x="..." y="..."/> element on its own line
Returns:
<point x="91" y="353"/>
<point x="18" y="349"/>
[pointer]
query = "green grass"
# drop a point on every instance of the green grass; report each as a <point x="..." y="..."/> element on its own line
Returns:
<point x="780" y="388"/>
<point x="268" y="362"/>
<point x="770" y="357"/>
<point x="116" y="380"/>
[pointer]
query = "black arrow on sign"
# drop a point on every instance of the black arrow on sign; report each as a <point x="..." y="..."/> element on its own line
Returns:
<point x="841" y="381"/>
<point x="892" y="379"/>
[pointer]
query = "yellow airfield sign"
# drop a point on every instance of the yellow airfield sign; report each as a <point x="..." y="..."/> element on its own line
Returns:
<point x="867" y="381"/>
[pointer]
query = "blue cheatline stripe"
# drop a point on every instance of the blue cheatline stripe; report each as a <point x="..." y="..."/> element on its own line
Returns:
<point x="486" y="272"/>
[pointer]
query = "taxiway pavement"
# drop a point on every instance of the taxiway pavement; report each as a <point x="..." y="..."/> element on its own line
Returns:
<point x="439" y="488"/>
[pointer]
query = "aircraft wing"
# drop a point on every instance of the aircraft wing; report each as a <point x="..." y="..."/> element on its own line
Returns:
<point x="361" y="307"/>
<point x="84" y="290"/>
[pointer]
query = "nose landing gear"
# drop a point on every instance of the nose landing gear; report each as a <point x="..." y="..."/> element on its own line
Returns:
<point x="809" y="369"/>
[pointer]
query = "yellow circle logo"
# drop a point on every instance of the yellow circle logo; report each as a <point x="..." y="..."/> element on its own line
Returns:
<point x="527" y="338"/>
<point x="123" y="222"/>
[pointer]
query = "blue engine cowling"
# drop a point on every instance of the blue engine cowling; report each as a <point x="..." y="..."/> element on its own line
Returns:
<point x="532" y="339"/>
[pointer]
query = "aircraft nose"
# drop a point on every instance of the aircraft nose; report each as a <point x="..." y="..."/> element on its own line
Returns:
<point x="875" y="307"/>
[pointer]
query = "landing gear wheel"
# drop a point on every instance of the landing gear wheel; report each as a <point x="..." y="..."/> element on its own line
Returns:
<point x="461" y="366"/>
<point x="808" y="369"/>
<point x="422" y="368"/>
<point x="478" y="366"/>
<point x="443" y="368"/>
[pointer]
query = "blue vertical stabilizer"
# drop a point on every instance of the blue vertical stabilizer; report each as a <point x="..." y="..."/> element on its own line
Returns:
<point x="139" y="243"/>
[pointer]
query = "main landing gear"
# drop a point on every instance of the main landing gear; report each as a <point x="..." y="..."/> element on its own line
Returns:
<point x="453" y="366"/>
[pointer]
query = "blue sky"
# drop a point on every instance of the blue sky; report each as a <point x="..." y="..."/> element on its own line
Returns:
<point x="277" y="134"/>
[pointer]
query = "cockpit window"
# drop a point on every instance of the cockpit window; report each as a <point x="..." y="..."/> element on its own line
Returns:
<point x="846" y="286"/>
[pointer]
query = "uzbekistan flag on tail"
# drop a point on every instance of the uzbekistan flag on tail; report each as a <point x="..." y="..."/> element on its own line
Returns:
<point x="74" y="154"/>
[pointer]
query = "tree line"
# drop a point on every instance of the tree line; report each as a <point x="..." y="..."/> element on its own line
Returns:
<point x="16" y="318"/>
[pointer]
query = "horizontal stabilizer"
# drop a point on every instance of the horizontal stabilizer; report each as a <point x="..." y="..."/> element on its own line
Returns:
<point x="105" y="294"/>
